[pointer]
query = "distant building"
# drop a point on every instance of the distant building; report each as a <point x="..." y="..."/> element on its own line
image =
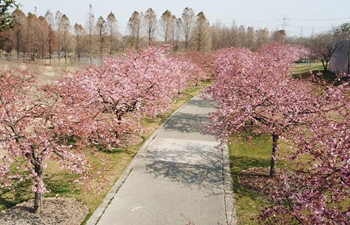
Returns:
<point x="340" y="60"/>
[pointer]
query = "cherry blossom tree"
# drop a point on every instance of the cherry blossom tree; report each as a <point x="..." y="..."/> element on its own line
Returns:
<point x="36" y="127"/>
<point x="202" y="64"/>
<point x="257" y="87"/>
<point x="137" y="84"/>
<point x="318" y="190"/>
<point x="83" y="112"/>
<point x="313" y="119"/>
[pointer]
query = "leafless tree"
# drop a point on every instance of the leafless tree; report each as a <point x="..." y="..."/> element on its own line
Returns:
<point x="79" y="39"/>
<point x="262" y="38"/>
<point x="167" y="26"/>
<point x="201" y="37"/>
<point x="65" y="28"/>
<point x="134" y="26"/>
<point x="249" y="37"/>
<point x="240" y="38"/>
<point x="113" y="33"/>
<point x="43" y="36"/>
<point x="51" y="41"/>
<point x="19" y="31"/>
<point x="322" y="48"/>
<point x="177" y="34"/>
<point x="279" y="36"/>
<point x="232" y="34"/>
<point x="188" y="22"/>
<point x="58" y="26"/>
<point x="32" y="38"/>
<point x="101" y="31"/>
<point x="150" y="24"/>
<point x="90" y="32"/>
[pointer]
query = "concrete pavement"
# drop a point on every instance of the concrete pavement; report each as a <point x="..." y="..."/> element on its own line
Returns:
<point x="179" y="177"/>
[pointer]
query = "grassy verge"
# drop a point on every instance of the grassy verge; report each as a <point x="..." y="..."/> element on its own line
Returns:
<point x="302" y="71"/>
<point x="244" y="155"/>
<point x="60" y="183"/>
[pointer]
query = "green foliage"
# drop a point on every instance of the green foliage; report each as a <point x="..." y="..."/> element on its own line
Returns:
<point x="6" y="18"/>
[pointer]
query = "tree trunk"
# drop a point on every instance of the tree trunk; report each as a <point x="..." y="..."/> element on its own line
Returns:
<point x="274" y="155"/>
<point x="38" y="195"/>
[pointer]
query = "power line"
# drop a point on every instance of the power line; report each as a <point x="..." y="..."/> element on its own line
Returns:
<point x="261" y="21"/>
<point x="344" y="18"/>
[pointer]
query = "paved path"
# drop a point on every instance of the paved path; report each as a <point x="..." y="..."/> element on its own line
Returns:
<point x="179" y="176"/>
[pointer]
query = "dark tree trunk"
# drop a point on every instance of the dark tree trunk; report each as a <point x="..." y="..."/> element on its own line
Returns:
<point x="274" y="155"/>
<point x="38" y="196"/>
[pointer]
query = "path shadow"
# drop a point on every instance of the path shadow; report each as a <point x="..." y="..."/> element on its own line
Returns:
<point x="195" y="164"/>
<point x="203" y="103"/>
<point x="192" y="167"/>
<point x="188" y="123"/>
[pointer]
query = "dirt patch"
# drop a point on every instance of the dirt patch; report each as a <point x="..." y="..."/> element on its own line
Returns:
<point x="129" y="140"/>
<point x="63" y="211"/>
<point x="258" y="180"/>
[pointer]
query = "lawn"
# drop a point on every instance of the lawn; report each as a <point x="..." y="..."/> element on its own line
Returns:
<point x="302" y="71"/>
<point x="245" y="154"/>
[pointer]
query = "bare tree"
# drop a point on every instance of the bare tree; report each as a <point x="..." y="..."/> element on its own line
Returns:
<point x="58" y="20"/>
<point x="51" y="41"/>
<point x="65" y="35"/>
<point x="249" y="37"/>
<point x="134" y="26"/>
<point x="240" y="37"/>
<point x="113" y="33"/>
<point x="43" y="36"/>
<point x="216" y="32"/>
<point x="262" y="38"/>
<point x="279" y="36"/>
<point x="188" y="22"/>
<point x="177" y="34"/>
<point x="19" y="31"/>
<point x="322" y="48"/>
<point x="221" y="36"/>
<point x="32" y="38"/>
<point x="233" y="34"/>
<point x="101" y="30"/>
<point x="150" y="24"/>
<point x="90" y="26"/>
<point x="167" y="25"/>
<point x="79" y="37"/>
<point x="201" y="36"/>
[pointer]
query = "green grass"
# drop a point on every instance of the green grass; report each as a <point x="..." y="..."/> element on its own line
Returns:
<point x="302" y="71"/>
<point x="60" y="182"/>
<point x="243" y="155"/>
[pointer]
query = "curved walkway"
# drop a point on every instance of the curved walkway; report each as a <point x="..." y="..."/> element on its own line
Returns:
<point x="179" y="177"/>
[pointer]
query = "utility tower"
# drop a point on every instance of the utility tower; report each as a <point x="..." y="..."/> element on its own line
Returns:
<point x="285" y="23"/>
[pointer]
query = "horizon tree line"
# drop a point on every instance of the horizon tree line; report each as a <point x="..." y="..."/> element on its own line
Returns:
<point x="54" y="35"/>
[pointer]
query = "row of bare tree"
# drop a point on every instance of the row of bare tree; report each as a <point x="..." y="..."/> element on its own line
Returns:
<point x="53" y="34"/>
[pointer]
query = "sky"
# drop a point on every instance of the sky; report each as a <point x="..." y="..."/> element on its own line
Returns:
<point x="297" y="17"/>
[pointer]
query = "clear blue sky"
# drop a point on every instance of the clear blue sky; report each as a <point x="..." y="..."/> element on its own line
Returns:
<point x="298" y="17"/>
